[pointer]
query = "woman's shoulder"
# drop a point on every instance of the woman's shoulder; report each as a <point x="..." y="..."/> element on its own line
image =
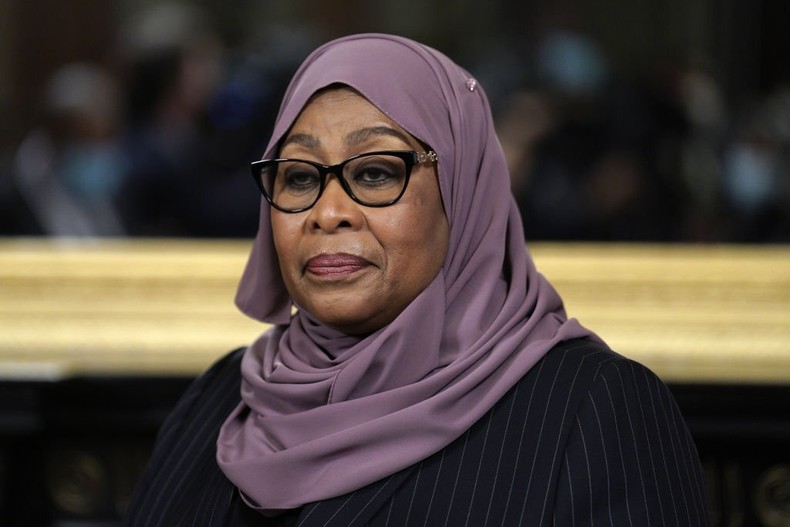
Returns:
<point x="576" y="374"/>
<point x="226" y="366"/>
<point x="569" y="368"/>
<point x="591" y="370"/>
<point x="219" y="384"/>
<point x="579" y="365"/>
<point x="581" y="353"/>
<point x="627" y="455"/>
<point x="182" y="466"/>
<point x="515" y="451"/>
<point x="225" y="370"/>
<point x="208" y="400"/>
<point x="519" y="450"/>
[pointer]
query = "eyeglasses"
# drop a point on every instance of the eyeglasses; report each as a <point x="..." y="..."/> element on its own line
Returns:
<point x="372" y="179"/>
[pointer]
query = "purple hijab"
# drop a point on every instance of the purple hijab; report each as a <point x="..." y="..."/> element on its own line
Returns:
<point x="324" y="413"/>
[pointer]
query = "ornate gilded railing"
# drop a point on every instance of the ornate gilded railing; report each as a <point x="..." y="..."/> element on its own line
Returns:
<point x="161" y="307"/>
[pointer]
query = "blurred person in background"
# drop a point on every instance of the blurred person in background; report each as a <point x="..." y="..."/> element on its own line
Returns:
<point x="702" y="101"/>
<point x="756" y="164"/>
<point x="183" y="176"/>
<point x="580" y="144"/>
<point x="69" y="169"/>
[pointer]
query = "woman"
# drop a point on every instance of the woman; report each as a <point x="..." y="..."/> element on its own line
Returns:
<point x="420" y="371"/>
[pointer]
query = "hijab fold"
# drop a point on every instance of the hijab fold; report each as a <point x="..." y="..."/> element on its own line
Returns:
<point x="323" y="413"/>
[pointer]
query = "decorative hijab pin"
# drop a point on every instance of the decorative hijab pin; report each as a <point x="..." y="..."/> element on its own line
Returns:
<point x="471" y="84"/>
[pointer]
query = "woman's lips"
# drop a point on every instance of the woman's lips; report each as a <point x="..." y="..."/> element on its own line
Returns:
<point x="340" y="264"/>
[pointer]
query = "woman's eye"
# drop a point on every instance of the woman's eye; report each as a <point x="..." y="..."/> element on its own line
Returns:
<point x="375" y="176"/>
<point x="300" y="180"/>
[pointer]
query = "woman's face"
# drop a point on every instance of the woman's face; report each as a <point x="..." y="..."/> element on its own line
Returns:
<point x="355" y="268"/>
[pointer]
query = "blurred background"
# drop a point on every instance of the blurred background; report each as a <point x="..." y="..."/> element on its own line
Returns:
<point x="623" y="120"/>
<point x="132" y="123"/>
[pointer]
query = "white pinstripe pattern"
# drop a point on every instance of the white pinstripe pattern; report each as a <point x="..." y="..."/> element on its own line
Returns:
<point x="309" y="509"/>
<point x="634" y="441"/>
<point x="649" y="445"/>
<point x="416" y="484"/>
<point x="540" y="439"/>
<point x="361" y="510"/>
<point x="435" y="484"/>
<point x="479" y="465"/>
<point x="389" y="513"/>
<point x="589" y="471"/>
<point x="521" y="438"/>
<point x="608" y="448"/>
<point x="557" y="444"/>
<point x="620" y="449"/>
<point x="339" y="509"/>
<point x="665" y="464"/>
<point x="606" y="458"/>
<point x="499" y="457"/>
<point x="570" y="491"/>
<point x="457" y="475"/>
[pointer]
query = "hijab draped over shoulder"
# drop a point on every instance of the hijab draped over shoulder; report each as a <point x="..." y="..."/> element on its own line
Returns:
<point x="324" y="413"/>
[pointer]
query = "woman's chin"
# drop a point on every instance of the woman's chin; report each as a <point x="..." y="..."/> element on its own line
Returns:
<point x="352" y="321"/>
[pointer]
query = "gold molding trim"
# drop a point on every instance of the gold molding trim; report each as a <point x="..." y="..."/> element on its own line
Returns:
<point x="161" y="307"/>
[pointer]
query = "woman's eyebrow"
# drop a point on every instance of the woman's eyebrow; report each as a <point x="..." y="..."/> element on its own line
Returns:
<point x="308" y="141"/>
<point x="359" y="136"/>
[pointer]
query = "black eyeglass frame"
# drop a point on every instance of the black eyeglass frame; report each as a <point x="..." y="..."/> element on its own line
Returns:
<point x="409" y="157"/>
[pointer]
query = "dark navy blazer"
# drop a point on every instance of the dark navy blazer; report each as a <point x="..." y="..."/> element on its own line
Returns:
<point x="587" y="437"/>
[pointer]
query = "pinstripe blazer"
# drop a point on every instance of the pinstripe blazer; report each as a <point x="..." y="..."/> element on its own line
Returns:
<point x="587" y="437"/>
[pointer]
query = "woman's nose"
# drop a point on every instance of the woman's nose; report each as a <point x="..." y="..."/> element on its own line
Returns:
<point x="335" y="209"/>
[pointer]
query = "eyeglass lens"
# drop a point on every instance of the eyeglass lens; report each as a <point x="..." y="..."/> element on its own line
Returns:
<point x="373" y="180"/>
